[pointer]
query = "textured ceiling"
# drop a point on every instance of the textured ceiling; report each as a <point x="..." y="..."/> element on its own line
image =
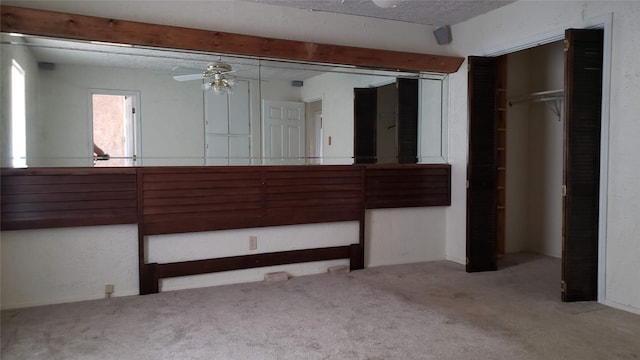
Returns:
<point x="427" y="12"/>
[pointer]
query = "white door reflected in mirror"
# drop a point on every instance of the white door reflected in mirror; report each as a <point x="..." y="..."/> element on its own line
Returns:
<point x="283" y="124"/>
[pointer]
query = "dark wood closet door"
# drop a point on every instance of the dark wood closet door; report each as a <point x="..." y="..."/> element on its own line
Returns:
<point x="365" y="110"/>
<point x="583" y="106"/>
<point x="407" y="121"/>
<point x="482" y="166"/>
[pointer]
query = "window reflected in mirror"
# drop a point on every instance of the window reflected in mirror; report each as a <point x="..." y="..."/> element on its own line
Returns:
<point x="101" y="104"/>
<point x="18" y="116"/>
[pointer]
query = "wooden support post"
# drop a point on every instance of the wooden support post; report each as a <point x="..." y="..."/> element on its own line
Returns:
<point x="149" y="279"/>
<point x="356" y="257"/>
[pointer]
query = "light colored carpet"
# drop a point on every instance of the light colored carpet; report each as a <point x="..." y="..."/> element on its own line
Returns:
<point x="418" y="311"/>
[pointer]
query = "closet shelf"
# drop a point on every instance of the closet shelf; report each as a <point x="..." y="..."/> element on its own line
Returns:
<point x="540" y="96"/>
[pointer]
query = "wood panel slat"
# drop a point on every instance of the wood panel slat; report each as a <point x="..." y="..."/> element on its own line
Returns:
<point x="186" y="184"/>
<point x="310" y="190"/>
<point x="339" y="180"/>
<point x="301" y="196"/>
<point x="68" y="215"/>
<point x="202" y="200"/>
<point x="310" y="170"/>
<point x="72" y="220"/>
<point x="60" y="197"/>
<point x="52" y="198"/>
<point x="280" y="217"/>
<point x="186" y="192"/>
<point x="260" y="196"/>
<point x="408" y="186"/>
<point x="68" y="205"/>
<point x="211" y="209"/>
<point x="310" y="204"/>
<point x="21" y="180"/>
<point x="392" y="171"/>
<point x="72" y="187"/>
<point x="175" y="224"/>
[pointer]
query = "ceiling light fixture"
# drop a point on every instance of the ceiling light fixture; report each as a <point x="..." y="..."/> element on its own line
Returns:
<point x="387" y="3"/>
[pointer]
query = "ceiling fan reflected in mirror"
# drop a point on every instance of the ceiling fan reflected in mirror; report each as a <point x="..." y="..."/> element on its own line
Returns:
<point x="218" y="77"/>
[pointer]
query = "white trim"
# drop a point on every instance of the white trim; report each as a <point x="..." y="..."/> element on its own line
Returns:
<point x="443" y="138"/>
<point x="619" y="306"/>
<point x="444" y="117"/>
<point x="607" y="23"/>
<point x="604" y="22"/>
<point x="28" y="304"/>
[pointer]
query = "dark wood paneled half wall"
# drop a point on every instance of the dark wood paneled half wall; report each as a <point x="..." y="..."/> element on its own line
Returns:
<point x="65" y="197"/>
<point x="408" y="186"/>
<point x="166" y="200"/>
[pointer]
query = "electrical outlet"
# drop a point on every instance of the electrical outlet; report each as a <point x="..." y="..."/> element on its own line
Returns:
<point x="253" y="242"/>
<point x="108" y="290"/>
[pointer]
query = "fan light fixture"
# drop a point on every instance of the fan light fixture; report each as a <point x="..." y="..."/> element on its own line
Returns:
<point x="218" y="78"/>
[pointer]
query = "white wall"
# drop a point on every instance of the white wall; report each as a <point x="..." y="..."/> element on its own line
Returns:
<point x="51" y="266"/>
<point x="171" y="114"/>
<point x="517" y="176"/>
<point x="280" y="90"/>
<point x="204" y="245"/>
<point x="400" y="236"/>
<point x="526" y="22"/>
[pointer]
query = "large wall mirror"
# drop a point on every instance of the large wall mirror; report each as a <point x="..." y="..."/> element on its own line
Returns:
<point x="80" y="103"/>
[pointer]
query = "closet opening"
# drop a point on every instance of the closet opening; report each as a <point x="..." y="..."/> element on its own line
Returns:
<point x="533" y="161"/>
<point x="534" y="158"/>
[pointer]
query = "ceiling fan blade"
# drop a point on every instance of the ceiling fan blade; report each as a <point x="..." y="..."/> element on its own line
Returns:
<point x="188" y="77"/>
